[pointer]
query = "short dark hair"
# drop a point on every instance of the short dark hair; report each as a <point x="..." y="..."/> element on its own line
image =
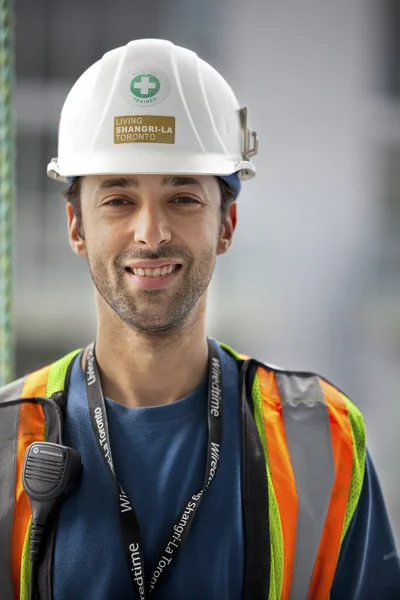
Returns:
<point x="227" y="198"/>
<point x="73" y="196"/>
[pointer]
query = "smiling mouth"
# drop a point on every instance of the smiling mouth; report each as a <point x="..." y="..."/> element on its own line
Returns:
<point x="157" y="272"/>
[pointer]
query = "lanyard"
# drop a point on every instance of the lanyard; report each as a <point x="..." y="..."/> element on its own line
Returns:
<point x="129" y="525"/>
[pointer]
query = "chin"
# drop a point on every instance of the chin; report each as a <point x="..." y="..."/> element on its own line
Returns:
<point x="151" y="325"/>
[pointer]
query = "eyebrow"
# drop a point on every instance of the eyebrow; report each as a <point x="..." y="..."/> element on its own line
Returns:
<point x="181" y="181"/>
<point x="168" y="180"/>
<point x="119" y="182"/>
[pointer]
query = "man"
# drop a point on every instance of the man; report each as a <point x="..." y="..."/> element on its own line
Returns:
<point x="206" y="475"/>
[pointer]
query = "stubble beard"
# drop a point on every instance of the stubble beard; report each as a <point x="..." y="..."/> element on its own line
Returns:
<point x="153" y="311"/>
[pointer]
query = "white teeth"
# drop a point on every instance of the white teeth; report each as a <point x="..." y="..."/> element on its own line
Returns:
<point x="158" y="272"/>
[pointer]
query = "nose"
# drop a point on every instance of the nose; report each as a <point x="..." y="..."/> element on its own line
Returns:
<point x="151" y="227"/>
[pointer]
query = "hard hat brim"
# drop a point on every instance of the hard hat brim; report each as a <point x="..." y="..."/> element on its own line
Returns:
<point x="217" y="165"/>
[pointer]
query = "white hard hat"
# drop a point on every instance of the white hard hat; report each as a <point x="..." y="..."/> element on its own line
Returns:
<point x="151" y="107"/>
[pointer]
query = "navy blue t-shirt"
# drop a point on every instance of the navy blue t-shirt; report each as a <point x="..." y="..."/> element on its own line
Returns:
<point x="159" y="456"/>
<point x="160" y="459"/>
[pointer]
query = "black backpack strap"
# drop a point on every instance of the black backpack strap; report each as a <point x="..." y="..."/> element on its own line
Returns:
<point x="254" y="495"/>
<point x="45" y="566"/>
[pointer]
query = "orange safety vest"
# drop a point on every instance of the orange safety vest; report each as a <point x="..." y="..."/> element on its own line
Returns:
<point x="302" y="473"/>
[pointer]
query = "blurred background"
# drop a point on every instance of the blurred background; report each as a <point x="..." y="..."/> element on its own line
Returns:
<point x="313" y="279"/>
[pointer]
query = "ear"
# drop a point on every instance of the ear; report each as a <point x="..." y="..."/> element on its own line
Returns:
<point x="227" y="229"/>
<point x="76" y="242"/>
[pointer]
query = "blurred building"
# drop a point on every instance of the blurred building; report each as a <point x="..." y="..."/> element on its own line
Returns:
<point x="313" y="279"/>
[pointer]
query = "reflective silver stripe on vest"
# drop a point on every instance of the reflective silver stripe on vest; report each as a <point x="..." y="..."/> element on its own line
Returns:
<point x="9" y="419"/>
<point x="306" y="420"/>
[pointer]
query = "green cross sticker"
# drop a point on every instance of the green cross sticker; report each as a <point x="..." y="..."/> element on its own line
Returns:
<point x="145" y="85"/>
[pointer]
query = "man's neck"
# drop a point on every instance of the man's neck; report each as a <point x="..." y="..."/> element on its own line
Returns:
<point x="150" y="369"/>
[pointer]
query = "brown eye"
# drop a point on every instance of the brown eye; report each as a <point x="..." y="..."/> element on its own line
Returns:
<point x="117" y="202"/>
<point x="185" y="200"/>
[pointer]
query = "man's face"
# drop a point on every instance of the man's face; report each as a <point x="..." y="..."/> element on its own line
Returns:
<point x="151" y="242"/>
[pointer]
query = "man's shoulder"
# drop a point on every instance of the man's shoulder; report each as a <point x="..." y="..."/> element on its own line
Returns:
<point x="297" y="385"/>
<point x="56" y="371"/>
<point x="12" y="390"/>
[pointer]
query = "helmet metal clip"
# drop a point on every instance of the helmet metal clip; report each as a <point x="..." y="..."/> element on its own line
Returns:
<point x="248" y="151"/>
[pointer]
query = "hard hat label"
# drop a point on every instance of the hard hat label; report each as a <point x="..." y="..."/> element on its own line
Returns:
<point x="144" y="86"/>
<point x="150" y="129"/>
